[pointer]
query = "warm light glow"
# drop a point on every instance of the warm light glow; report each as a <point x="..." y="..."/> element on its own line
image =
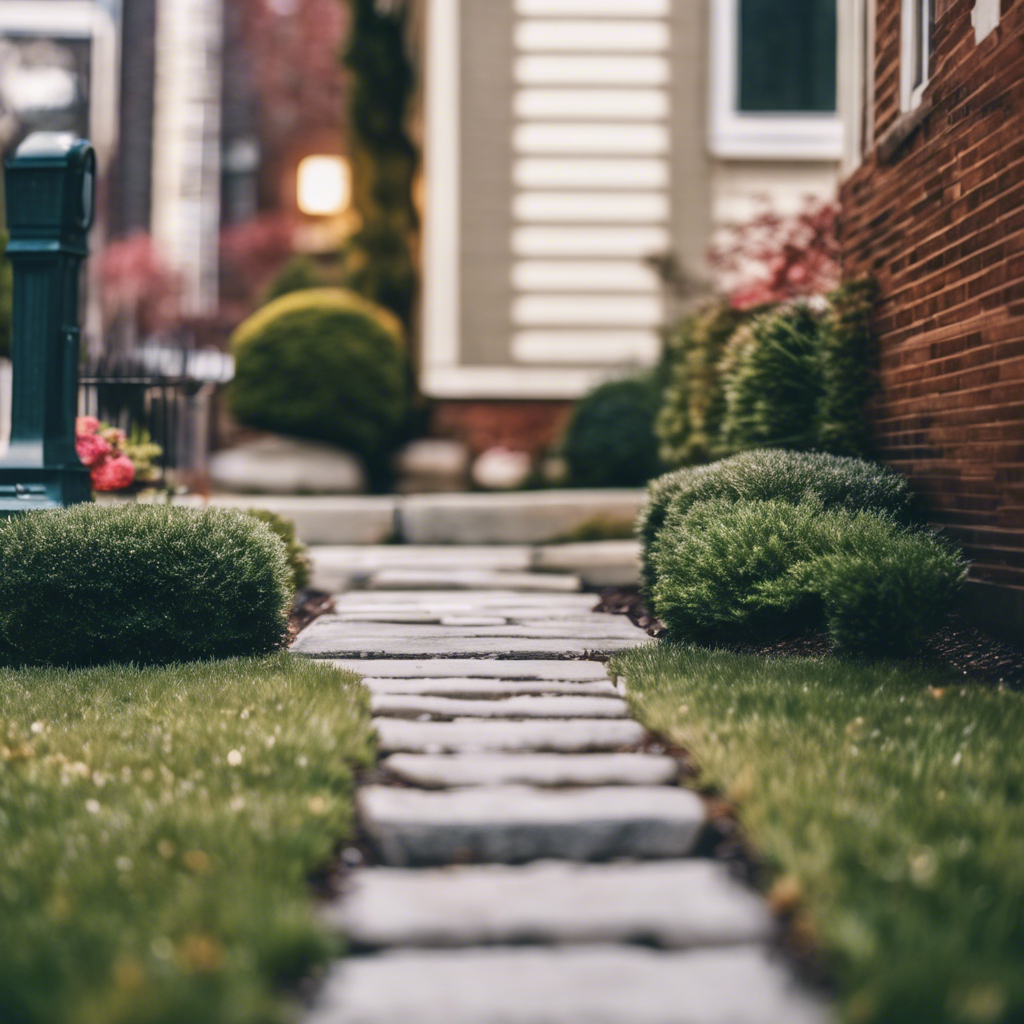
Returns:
<point x="324" y="185"/>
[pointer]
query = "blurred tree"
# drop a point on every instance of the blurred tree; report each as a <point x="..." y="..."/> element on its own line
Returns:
<point x="377" y="258"/>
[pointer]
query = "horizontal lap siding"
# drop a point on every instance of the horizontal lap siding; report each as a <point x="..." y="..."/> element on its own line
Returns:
<point x="941" y="228"/>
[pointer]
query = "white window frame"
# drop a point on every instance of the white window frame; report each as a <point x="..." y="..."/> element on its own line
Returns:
<point x="911" y="45"/>
<point x="736" y="135"/>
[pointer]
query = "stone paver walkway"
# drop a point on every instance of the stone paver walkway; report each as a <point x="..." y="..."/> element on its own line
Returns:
<point x="534" y="852"/>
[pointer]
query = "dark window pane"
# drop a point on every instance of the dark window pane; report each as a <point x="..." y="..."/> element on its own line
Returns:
<point x="787" y="55"/>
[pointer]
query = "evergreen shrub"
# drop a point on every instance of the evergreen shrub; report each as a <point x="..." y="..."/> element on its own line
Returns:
<point x="688" y="424"/>
<point x="147" y="584"/>
<point x="834" y="481"/>
<point x="325" y="364"/>
<point x="609" y="441"/>
<point x="731" y="569"/>
<point x="295" y="551"/>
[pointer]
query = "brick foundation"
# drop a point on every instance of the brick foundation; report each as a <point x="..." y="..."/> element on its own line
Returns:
<point x="522" y="426"/>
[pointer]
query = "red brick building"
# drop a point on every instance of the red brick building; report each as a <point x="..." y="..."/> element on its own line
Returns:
<point x="933" y="208"/>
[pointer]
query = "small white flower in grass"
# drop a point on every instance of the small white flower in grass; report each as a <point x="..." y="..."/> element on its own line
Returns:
<point x="37" y="727"/>
<point x="957" y="758"/>
<point x="124" y="863"/>
<point x="234" y="758"/>
<point x="92" y="806"/>
<point x="302" y="760"/>
<point x="162" y="947"/>
<point x="237" y="803"/>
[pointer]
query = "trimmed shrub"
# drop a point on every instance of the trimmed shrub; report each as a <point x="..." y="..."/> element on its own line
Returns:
<point x="834" y="481"/>
<point x="147" y="584"/>
<point x="325" y="364"/>
<point x="295" y="550"/>
<point x="847" y="357"/>
<point x="773" y="393"/>
<point x="689" y="421"/>
<point x="298" y="274"/>
<point x="728" y="569"/>
<point x="609" y="441"/>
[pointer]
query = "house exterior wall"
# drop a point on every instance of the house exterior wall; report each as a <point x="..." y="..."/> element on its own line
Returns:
<point x="937" y="217"/>
<point x="484" y="338"/>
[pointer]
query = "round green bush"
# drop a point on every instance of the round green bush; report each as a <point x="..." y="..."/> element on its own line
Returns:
<point x="730" y="569"/>
<point x="295" y="551"/>
<point x="325" y="364"/>
<point x="147" y="584"/>
<point x="609" y="441"/>
<point x="835" y="481"/>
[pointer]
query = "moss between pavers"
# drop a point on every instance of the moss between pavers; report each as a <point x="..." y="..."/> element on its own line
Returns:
<point x="889" y="799"/>
<point x="157" y="829"/>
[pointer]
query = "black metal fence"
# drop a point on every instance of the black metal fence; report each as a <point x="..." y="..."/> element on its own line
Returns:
<point x="163" y="392"/>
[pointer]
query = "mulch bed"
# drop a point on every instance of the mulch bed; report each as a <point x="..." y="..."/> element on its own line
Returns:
<point x="969" y="650"/>
<point x="308" y="605"/>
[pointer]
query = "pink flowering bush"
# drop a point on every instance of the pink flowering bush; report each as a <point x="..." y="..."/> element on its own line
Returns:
<point x="115" y="462"/>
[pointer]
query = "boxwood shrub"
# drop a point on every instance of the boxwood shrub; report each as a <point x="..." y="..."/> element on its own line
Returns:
<point x="732" y="569"/>
<point x="325" y="364"/>
<point x="609" y="441"/>
<point x="94" y="584"/>
<point x="835" y="481"/>
<point x="295" y="551"/>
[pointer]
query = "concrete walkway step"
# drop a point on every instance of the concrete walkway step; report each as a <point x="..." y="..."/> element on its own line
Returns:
<point x="574" y="736"/>
<point x="446" y="771"/>
<point x="486" y="689"/>
<point x="588" y="985"/>
<point x="472" y="579"/>
<point x="514" y="824"/>
<point x="670" y="904"/>
<point x="477" y="668"/>
<point x="446" y="708"/>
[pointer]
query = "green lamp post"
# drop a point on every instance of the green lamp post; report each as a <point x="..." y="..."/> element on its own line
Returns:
<point x="51" y="183"/>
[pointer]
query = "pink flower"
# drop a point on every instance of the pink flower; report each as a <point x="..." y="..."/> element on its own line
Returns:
<point x="113" y="474"/>
<point x="91" y="448"/>
<point x="86" y="425"/>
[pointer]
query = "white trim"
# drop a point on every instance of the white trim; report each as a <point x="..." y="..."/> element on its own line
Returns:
<point x="78" y="19"/>
<point x="911" y="95"/>
<point x="851" y="73"/>
<point x="985" y="18"/>
<point x="497" y="382"/>
<point x="441" y="172"/>
<point x="735" y="135"/>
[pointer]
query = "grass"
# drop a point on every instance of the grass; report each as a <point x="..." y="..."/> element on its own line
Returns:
<point x="887" y="800"/>
<point x="158" y="829"/>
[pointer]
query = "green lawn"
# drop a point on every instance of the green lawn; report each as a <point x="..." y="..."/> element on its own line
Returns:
<point x="157" y="830"/>
<point x="889" y="798"/>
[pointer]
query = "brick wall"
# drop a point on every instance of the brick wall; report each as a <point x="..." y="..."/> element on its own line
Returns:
<point x="939" y="222"/>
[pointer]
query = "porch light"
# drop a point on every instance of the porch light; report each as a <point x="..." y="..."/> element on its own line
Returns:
<point x="324" y="185"/>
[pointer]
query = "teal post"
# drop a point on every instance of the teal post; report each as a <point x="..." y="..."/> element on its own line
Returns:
<point x="51" y="182"/>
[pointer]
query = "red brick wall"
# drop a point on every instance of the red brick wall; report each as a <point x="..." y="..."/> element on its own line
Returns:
<point x="522" y="426"/>
<point x="940" y="225"/>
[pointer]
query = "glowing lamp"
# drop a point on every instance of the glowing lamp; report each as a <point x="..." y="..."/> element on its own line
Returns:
<point x="324" y="185"/>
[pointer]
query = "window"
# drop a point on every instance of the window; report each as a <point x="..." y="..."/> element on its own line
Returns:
<point x="773" y="79"/>
<point x="915" y="51"/>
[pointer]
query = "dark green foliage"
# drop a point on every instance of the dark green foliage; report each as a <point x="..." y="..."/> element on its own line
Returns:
<point x="773" y="394"/>
<point x="147" y="584"/>
<point x="730" y="569"/>
<point x="689" y="421"/>
<point x="609" y="441"/>
<point x="299" y="273"/>
<point x="6" y="288"/>
<point x="378" y="259"/>
<point x="847" y="360"/>
<point x="325" y="364"/>
<point x="295" y="550"/>
<point x="834" y="481"/>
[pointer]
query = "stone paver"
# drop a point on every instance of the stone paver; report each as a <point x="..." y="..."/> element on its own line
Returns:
<point x="398" y="705"/>
<point x="335" y="640"/>
<point x="614" y="627"/>
<point x="512" y="824"/>
<point x="477" y="668"/>
<point x="472" y="579"/>
<point x="487" y="689"/>
<point x="505" y="601"/>
<point x="573" y="736"/>
<point x="444" y="771"/>
<point x="606" y="563"/>
<point x="672" y="904"/>
<point x="574" y="985"/>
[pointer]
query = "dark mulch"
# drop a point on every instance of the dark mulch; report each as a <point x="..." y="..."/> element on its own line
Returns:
<point x="968" y="649"/>
<point x="308" y="605"/>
